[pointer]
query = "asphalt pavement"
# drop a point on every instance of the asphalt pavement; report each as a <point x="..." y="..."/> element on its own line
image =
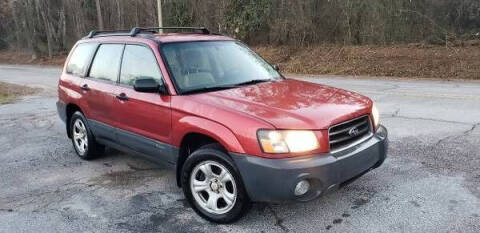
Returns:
<point x="429" y="183"/>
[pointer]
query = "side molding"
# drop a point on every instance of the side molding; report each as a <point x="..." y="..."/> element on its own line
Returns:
<point x="154" y="150"/>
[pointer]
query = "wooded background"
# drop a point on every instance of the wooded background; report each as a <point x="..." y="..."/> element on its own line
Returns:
<point x="47" y="27"/>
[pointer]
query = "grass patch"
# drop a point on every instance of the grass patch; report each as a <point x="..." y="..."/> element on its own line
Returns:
<point x="10" y="92"/>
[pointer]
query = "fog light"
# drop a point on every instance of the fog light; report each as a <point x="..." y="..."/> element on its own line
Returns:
<point x="302" y="187"/>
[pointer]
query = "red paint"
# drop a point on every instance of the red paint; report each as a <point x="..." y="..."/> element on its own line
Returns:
<point x="232" y="117"/>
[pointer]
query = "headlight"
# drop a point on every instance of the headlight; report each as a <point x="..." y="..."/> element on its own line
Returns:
<point x="285" y="141"/>
<point x="376" y="116"/>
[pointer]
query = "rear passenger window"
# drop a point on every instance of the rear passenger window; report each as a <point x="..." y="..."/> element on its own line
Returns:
<point x="77" y="65"/>
<point x="106" y="63"/>
<point x="138" y="62"/>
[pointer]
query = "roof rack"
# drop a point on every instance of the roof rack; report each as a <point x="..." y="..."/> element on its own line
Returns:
<point x="136" y="30"/>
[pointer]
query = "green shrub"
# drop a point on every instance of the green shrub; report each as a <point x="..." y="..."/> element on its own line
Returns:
<point x="247" y="16"/>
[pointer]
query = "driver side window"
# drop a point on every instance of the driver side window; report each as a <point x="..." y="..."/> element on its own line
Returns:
<point x="139" y="62"/>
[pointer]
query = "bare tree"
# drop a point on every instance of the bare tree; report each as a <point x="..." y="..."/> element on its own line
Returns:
<point x="99" y="15"/>
<point x="47" y="27"/>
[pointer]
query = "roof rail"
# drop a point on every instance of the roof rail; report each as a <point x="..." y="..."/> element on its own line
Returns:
<point x="94" y="33"/>
<point x="136" y="30"/>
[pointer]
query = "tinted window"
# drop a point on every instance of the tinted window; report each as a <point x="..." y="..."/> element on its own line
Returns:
<point x="80" y="58"/>
<point x="107" y="62"/>
<point x="138" y="61"/>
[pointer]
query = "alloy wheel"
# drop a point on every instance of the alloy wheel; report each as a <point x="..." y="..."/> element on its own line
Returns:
<point x="213" y="187"/>
<point x="80" y="136"/>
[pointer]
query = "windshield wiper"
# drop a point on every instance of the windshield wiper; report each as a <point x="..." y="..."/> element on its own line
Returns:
<point x="253" y="81"/>
<point x="223" y="87"/>
<point x="207" y="89"/>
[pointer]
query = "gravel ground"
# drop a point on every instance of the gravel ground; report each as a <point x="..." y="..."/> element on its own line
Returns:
<point x="430" y="182"/>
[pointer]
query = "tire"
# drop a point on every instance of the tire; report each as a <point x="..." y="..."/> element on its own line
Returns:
<point x="227" y="188"/>
<point x="82" y="138"/>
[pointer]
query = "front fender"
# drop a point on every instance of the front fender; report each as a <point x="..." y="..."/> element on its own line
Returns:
<point x="219" y="132"/>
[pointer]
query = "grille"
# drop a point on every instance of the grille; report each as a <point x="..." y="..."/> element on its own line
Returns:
<point x="349" y="132"/>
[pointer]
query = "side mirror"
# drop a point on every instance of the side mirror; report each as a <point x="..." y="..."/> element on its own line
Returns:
<point x="149" y="85"/>
<point x="275" y="67"/>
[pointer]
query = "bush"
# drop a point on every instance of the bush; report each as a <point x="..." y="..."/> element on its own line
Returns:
<point x="245" y="16"/>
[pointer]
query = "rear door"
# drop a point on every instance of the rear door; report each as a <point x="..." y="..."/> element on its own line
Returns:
<point x="69" y="85"/>
<point x="143" y="119"/>
<point x="99" y="88"/>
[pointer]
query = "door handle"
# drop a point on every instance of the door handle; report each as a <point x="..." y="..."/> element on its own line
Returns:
<point x="122" y="96"/>
<point x="85" y="87"/>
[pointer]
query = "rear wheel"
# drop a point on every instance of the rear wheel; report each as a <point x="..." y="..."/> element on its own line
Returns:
<point x="213" y="186"/>
<point x="82" y="138"/>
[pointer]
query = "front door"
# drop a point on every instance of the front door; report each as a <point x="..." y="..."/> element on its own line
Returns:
<point x="143" y="119"/>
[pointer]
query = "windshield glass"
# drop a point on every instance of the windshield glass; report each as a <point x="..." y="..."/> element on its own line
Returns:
<point x="213" y="65"/>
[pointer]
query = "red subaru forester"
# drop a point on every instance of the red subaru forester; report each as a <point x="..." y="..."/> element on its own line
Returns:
<point x="233" y="128"/>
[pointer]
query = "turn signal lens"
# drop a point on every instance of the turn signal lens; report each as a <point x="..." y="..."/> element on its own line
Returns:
<point x="285" y="141"/>
<point x="272" y="142"/>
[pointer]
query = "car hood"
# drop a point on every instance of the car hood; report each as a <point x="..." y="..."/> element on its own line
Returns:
<point x="291" y="104"/>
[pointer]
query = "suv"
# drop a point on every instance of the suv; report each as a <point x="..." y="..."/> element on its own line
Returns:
<point x="231" y="126"/>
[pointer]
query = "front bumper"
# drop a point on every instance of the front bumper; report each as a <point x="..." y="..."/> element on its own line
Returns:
<point x="274" y="180"/>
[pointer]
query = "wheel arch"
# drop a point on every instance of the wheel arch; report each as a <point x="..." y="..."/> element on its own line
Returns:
<point x="199" y="132"/>
<point x="193" y="141"/>
<point x="70" y="109"/>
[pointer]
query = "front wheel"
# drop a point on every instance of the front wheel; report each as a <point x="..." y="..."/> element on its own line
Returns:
<point x="212" y="185"/>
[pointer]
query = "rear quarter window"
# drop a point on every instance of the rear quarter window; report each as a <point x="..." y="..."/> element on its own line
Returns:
<point x="81" y="55"/>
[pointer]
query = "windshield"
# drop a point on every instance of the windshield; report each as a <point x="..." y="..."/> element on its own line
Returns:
<point x="214" y="65"/>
